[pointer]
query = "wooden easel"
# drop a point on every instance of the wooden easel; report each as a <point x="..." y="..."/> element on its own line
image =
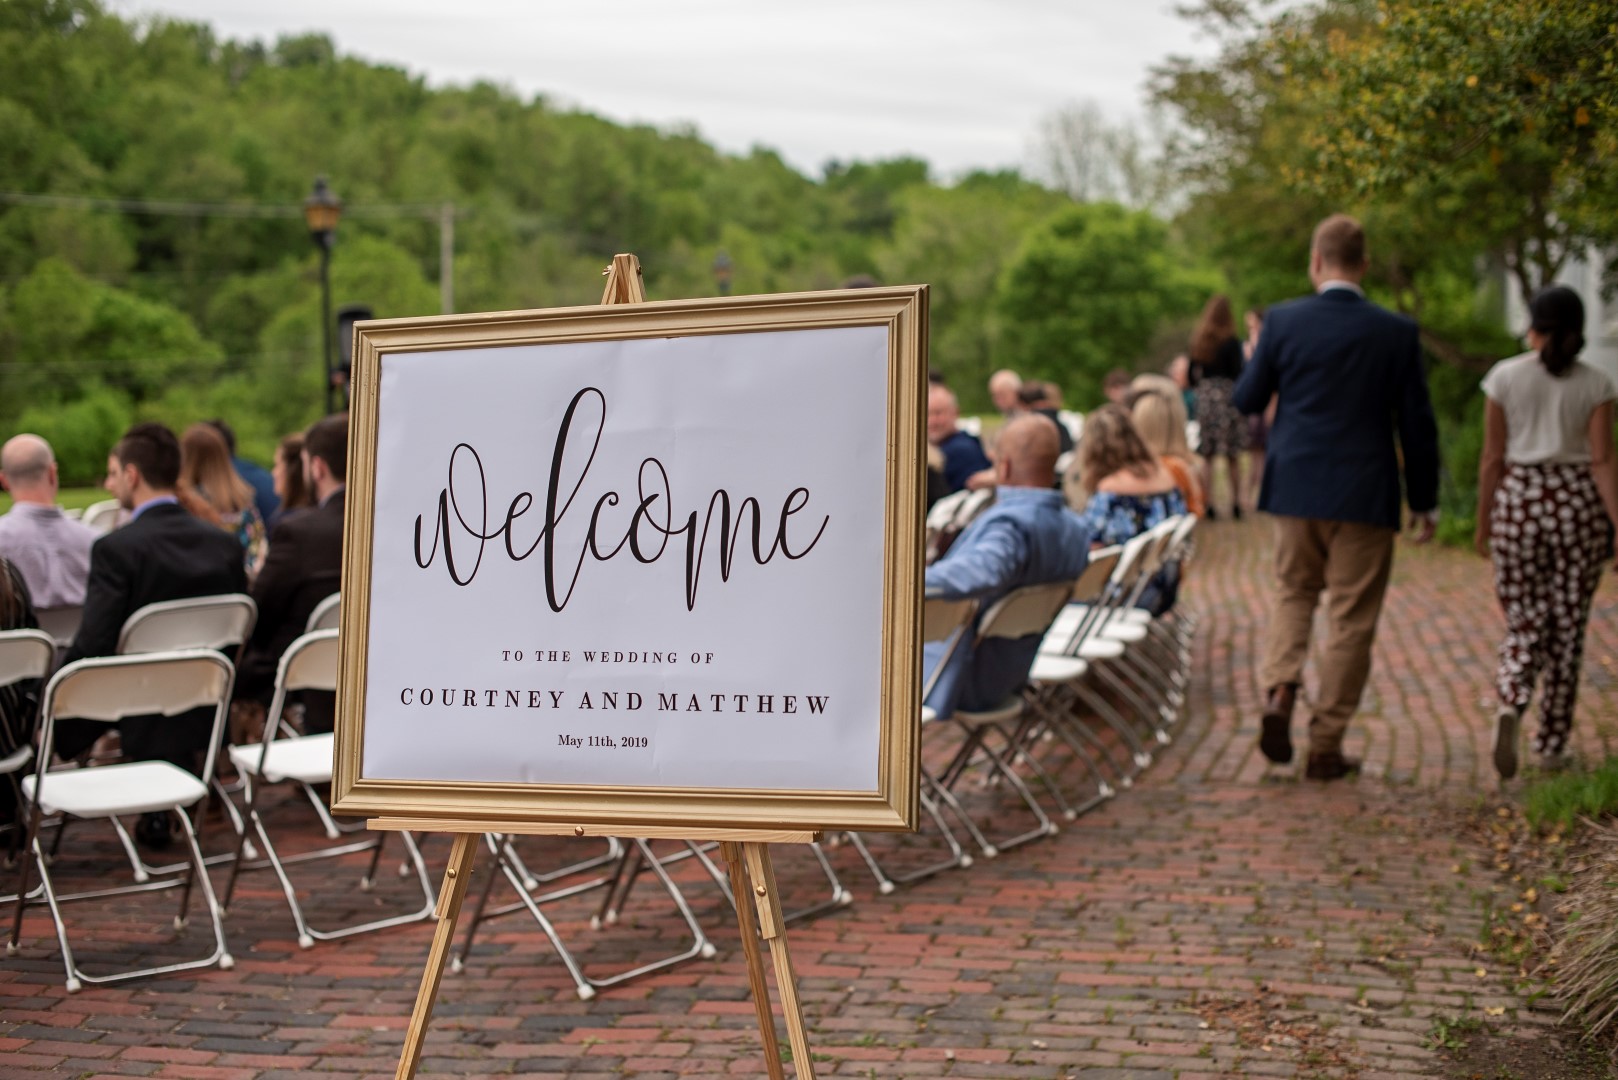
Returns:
<point x="746" y="853"/>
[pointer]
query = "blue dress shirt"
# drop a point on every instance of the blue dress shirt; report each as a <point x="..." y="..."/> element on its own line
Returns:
<point x="1028" y="537"/>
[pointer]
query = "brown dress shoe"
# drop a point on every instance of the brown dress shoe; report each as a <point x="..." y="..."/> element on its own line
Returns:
<point x="1330" y="765"/>
<point x="1275" y="740"/>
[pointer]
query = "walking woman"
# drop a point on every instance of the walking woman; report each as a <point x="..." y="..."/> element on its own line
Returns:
<point x="1547" y="503"/>
<point x="1216" y="362"/>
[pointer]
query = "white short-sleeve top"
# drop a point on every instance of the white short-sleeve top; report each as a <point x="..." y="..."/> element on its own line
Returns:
<point x="1547" y="418"/>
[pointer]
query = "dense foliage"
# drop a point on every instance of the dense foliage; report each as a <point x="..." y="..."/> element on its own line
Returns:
<point x="1476" y="139"/>
<point x="178" y="313"/>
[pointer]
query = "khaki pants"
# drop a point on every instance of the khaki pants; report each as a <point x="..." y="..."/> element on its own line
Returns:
<point x="1350" y="562"/>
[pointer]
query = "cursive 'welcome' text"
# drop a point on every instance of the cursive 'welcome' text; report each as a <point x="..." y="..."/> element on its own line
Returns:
<point x="461" y="525"/>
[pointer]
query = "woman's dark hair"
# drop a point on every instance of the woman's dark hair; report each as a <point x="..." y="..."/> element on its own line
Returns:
<point x="1557" y="312"/>
<point x="1214" y="328"/>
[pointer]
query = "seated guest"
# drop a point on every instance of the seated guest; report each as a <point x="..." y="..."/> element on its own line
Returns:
<point x="1027" y="538"/>
<point x="211" y="490"/>
<point x="1042" y="399"/>
<point x="1116" y="384"/>
<point x="963" y="453"/>
<point x="304" y="567"/>
<point x="49" y="549"/>
<point x="1003" y="387"/>
<point x="1129" y="489"/>
<point x="264" y="500"/>
<point x="287" y="475"/>
<point x="1160" y="419"/>
<point x="162" y="554"/>
<point x="19" y="700"/>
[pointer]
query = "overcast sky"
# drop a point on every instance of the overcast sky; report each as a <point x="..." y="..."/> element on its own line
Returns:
<point x="961" y="83"/>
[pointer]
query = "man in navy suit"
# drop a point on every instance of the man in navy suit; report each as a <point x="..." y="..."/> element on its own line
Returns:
<point x="1348" y="380"/>
<point x="162" y="554"/>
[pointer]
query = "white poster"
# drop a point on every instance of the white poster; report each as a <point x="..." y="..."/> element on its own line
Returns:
<point x="642" y="563"/>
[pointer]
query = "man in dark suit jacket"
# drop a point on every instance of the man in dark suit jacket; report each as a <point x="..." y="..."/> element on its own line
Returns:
<point x="163" y="553"/>
<point x="303" y="567"/>
<point x="1348" y="379"/>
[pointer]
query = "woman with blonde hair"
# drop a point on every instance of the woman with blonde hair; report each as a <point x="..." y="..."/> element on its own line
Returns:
<point x="211" y="490"/>
<point x="1129" y="489"/>
<point x="1160" y="420"/>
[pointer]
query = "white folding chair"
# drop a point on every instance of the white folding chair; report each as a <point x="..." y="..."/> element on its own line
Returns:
<point x="1024" y="612"/>
<point x="108" y="689"/>
<point x="204" y="622"/>
<point x="102" y="516"/>
<point x="25" y="655"/>
<point x="61" y="623"/>
<point x="1056" y="688"/>
<point x="309" y="663"/>
<point x="326" y="614"/>
<point x="222" y="622"/>
<point x="947" y="622"/>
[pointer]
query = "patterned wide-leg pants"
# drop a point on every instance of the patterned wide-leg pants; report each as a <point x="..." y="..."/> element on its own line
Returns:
<point x="1549" y="533"/>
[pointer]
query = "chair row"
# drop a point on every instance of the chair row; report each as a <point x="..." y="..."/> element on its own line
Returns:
<point x="170" y="666"/>
<point x="1105" y="690"/>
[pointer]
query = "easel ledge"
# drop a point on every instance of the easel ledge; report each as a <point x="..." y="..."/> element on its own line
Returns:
<point x="645" y="832"/>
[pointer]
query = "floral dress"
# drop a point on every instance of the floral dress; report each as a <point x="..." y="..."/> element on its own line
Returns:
<point x="1112" y="518"/>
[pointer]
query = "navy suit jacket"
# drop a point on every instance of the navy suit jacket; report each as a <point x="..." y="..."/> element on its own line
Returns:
<point x="1349" y="379"/>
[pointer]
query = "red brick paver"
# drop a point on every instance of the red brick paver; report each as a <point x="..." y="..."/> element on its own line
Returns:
<point x="1219" y="919"/>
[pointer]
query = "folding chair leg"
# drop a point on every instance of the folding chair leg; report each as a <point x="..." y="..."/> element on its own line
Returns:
<point x="30" y="852"/>
<point x="997" y="765"/>
<point x="840" y="897"/>
<point x="1147" y="714"/>
<point x="137" y="866"/>
<point x="1115" y="720"/>
<point x="501" y="847"/>
<point x="885" y="883"/>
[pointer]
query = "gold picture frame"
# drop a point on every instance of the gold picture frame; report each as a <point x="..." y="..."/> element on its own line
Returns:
<point x="456" y="805"/>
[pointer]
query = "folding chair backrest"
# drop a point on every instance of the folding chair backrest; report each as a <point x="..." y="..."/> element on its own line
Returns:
<point x="25" y="654"/>
<point x="1184" y="528"/>
<point x="1092" y="584"/>
<point x="326" y="614"/>
<point x="946" y="621"/>
<point x="102" y="516"/>
<point x="203" y="622"/>
<point x="1025" y="611"/>
<point x="61" y="623"/>
<point x="109" y="688"/>
<point x="309" y="663"/>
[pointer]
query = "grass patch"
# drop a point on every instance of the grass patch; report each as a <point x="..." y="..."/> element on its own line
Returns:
<point x="67" y="498"/>
<point x="1556" y="801"/>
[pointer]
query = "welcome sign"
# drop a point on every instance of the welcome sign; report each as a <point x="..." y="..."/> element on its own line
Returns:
<point x="649" y="564"/>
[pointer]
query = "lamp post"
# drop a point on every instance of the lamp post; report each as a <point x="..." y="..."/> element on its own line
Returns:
<point x="320" y="212"/>
<point x="721" y="273"/>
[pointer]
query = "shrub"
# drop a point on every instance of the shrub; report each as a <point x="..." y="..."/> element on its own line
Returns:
<point x="1586" y="956"/>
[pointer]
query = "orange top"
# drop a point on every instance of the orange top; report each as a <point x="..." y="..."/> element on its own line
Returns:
<point x="1196" y="500"/>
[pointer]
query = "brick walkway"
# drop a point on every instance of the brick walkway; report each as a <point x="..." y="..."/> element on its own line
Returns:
<point x="1219" y="919"/>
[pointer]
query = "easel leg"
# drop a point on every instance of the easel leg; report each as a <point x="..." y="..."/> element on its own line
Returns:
<point x="456" y="878"/>
<point x="740" y="888"/>
<point x="768" y="898"/>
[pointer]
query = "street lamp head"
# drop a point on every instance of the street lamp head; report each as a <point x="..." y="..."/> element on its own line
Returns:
<point x="721" y="272"/>
<point x="320" y="212"/>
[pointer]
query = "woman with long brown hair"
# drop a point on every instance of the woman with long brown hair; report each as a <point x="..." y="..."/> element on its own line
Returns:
<point x="287" y="475"/>
<point x="17" y="701"/>
<point x="211" y="490"/>
<point x="1216" y="362"/>
<point x="1127" y="489"/>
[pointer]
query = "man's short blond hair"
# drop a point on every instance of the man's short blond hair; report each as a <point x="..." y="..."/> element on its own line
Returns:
<point x="1340" y="242"/>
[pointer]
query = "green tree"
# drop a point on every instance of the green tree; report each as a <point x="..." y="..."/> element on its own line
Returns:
<point x="960" y="240"/>
<point x="1088" y="290"/>
<point x="1498" y="118"/>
